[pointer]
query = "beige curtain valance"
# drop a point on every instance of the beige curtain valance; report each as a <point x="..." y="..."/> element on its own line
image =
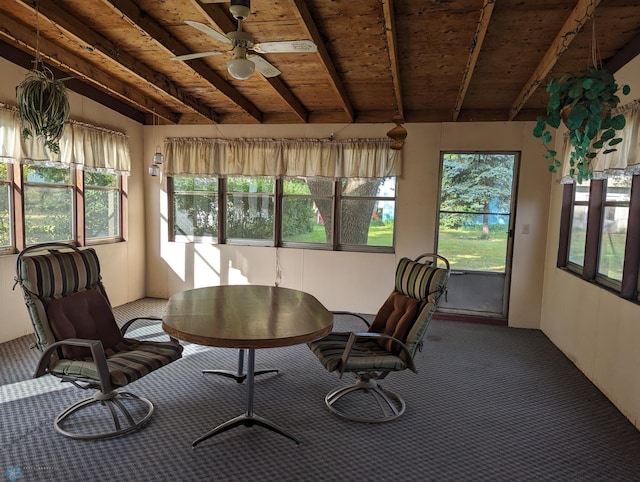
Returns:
<point x="364" y="158"/>
<point x="627" y="156"/>
<point x="86" y="146"/>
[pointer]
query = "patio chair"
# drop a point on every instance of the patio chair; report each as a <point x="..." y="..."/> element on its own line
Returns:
<point x="81" y="343"/>
<point x="389" y="344"/>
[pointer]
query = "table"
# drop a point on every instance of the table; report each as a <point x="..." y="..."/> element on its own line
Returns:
<point x="246" y="317"/>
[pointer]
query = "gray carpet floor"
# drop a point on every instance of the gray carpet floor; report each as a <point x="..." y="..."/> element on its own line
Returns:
<point x="488" y="403"/>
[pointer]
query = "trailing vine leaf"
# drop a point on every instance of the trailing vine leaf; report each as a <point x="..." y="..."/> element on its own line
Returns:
<point x="584" y="101"/>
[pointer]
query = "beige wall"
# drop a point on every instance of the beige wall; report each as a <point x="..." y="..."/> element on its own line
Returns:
<point x="358" y="281"/>
<point x="595" y="329"/>
<point x="122" y="263"/>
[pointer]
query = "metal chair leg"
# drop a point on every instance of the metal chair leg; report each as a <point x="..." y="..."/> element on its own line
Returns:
<point x="390" y="404"/>
<point x="116" y="404"/>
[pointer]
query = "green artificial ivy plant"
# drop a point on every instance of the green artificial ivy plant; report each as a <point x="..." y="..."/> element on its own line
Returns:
<point x="584" y="102"/>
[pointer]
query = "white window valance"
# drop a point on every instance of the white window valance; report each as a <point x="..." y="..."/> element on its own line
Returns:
<point x="82" y="145"/>
<point x="627" y="156"/>
<point x="364" y="158"/>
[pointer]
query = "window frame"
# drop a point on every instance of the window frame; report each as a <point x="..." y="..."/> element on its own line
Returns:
<point x="18" y="184"/>
<point x="70" y="185"/>
<point x="8" y="184"/>
<point x="121" y="189"/>
<point x="600" y="277"/>
<point x="572" y="265"/>
<point x="276" y="240"/>
<point x="629" y="287"/>
<point x="227" y="195"/>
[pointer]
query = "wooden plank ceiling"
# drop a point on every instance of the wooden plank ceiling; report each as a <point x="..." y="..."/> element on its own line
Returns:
<point x="421" y="61"/>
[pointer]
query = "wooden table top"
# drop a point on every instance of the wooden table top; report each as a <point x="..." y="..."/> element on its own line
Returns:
<point x="246" y="316"/>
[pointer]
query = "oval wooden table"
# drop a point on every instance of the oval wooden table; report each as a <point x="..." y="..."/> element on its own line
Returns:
<point x="246" y="317"/>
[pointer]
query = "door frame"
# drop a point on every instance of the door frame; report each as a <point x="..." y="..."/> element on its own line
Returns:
<point x="510" y="234"/>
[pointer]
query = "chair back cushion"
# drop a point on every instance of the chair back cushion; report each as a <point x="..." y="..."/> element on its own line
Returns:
<point x="418" y="280"/>
<point x="55" y="274"/>
<point x="394" y="318"/>
<point x="85" y="314"/>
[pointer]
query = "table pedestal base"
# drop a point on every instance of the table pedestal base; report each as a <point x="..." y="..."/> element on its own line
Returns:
<point x="239" y="376"/>
<point x="248" y="419"/>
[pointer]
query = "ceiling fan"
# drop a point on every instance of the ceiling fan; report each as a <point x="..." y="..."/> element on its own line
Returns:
<point x="243" y="64"/>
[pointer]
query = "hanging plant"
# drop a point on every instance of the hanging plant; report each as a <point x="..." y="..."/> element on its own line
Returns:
<point x="43" y="107"/>
<point x="584" y="102"/>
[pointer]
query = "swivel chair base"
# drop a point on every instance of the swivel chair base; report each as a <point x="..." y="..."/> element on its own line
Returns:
<point x="390" y="405"/>
<point x="124" y="408"/>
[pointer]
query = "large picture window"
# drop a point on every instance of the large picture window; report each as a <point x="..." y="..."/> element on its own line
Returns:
<point x="289" y="211"/>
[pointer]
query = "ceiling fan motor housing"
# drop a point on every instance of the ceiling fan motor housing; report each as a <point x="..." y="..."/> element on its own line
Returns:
<point x="240" y="9"/>
<point x="241" y="39"/>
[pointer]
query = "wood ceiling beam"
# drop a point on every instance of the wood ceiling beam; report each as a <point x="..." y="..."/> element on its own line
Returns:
<point x="104" y="48"/>
<point x="624" y="56"/>
<point x="223" y="22"/>
<point x="129" y="10"/>
<point x="476" y="46"/>
<point x="22" y="37"/>
<point x="392" y="45"/>
<point x="581" y="13"/>
<point x="302" y="12"/>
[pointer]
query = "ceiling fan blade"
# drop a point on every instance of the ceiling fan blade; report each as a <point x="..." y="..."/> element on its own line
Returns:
<point x="195" y="56"/>
<point x="287" y="46"/>
<point x="264" y="67"/>
<point x="209" y="31"/>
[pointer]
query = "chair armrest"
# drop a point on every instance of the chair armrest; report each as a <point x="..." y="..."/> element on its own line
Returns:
<point x="97" y="354"/>
<point x="353" y="337"/>
<point x="128" y="324"/>
<point x="350" y="313"/>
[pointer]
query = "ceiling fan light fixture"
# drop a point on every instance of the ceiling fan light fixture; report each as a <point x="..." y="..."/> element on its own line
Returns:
<point x="240" y="9"/>
<point x="240" y="69"/>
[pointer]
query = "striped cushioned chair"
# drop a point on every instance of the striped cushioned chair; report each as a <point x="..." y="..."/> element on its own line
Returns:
<point x="388" y="345"/>
<point x="81" y="342"/>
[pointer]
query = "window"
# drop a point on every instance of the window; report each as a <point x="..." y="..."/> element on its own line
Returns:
<point x="102" y="205"/>
<point x="597" y="238"/>
<point x="289" y="211"/>
<point x="6" y="233"/>
<point x="250" y="208"/>
<point x="367" y="212"/>
<point x="44" y="200"/>
<point x="614" y="227"/>
<point x="578" y="234"/>
<point x="307" y="210"/>
<point x="48" y="204"/>
<point x="194" y="211"/>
